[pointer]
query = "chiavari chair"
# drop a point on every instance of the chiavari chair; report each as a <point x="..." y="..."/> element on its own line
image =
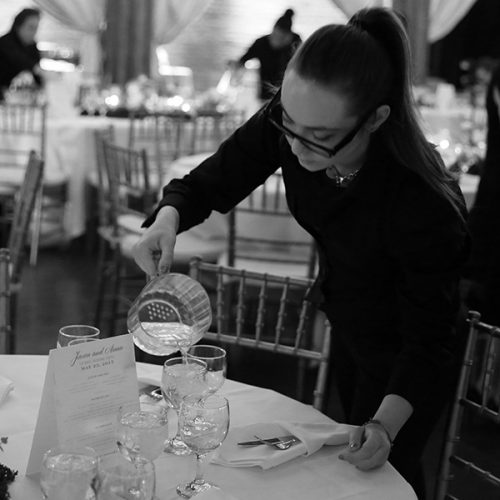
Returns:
<point x="477" y="394"/>
<point x="261" y="323"/>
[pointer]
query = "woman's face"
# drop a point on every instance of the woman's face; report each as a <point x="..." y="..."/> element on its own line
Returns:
<point x="27" y="31"/>
<point x="321" y="115"/>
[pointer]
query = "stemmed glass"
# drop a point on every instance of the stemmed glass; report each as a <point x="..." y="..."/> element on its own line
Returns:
<point x="142" y="434"/>
<point x="83" y="333"/>
<point x="182" y="377"/>
<point x="215" y="358"/>
<point x="203" y="426"/>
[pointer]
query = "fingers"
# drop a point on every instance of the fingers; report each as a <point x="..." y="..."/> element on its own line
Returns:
<point x="356" y="438"/>
<point x="368" y="448"/>
<point x="154" y="251"/>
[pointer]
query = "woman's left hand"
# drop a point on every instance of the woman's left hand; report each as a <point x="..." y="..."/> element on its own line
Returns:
<point x="369" y="447"/>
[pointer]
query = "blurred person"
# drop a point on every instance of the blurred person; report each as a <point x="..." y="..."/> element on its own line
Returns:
<point x="18" y="50"/>
<point x="483" y="268"/>
<point x="273" y="52"/>
<point x="387" y="217"/>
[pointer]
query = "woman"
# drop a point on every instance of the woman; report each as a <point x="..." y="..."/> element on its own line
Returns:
<point x="386" y="216"/>
<point x="273" y="52"/>
<point x="18" y="50"/>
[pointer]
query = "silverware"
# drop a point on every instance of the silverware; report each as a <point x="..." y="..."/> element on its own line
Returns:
<point x="268" y="440"/>
<point x="279" y="445"/>
<point x="153" y="391"/>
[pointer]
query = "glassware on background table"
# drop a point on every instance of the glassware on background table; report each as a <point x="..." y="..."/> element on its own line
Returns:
<point x="76" y="332"/>
<point x="203" y="427"/>
<point x="215" y="358"/>
<point x="119" y="479"/>
<point x="171" y="313"/>
<point x="182" y="377"/>
<point x="142" y="434"/>
<point x="69" y="473"/>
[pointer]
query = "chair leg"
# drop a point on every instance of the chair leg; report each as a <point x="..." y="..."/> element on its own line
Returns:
<point x="11" y="343"/>
<point x="116" y="288"/>
<point x="102" y="271"/>
<point x="37" y="226"/>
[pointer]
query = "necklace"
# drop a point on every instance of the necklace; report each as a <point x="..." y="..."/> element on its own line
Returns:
<point x="341" y="180"/>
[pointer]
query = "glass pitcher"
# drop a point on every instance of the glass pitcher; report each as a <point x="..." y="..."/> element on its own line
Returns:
<point x="171" y="313"/>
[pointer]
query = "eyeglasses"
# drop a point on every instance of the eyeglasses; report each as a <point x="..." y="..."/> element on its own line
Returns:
<point x="275" y="104"/>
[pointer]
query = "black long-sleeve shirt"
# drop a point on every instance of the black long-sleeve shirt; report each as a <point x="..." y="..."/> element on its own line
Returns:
<point x="391" y="248"/>
<point x="16" y="57"/>
<point x="272" y="61"/>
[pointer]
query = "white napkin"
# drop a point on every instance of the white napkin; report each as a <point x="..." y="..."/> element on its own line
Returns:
<point x="6" y="385"/>
<point x="312" y="436"/>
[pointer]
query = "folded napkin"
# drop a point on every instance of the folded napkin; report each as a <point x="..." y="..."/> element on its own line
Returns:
<point x="312" y="436"/>
<point x="6" y="385"/>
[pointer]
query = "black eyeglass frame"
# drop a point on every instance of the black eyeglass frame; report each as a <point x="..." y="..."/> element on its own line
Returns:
<point x="348" y="138"/>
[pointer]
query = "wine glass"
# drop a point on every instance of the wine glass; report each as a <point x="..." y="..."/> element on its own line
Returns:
<point x="215" y="358"/>
<point x="120" y="479"/>
<point x="76" y="332"/>
<point x="69" y="473"/>
<point x="142" y="433"/>
<point x="182" y="377"/>
<point x="203" y="426"/>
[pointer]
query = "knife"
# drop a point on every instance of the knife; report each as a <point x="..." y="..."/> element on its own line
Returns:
<point x="289" y="437"/>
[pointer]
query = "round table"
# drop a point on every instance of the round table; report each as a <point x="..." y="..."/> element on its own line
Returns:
<point x="320" y="475"/>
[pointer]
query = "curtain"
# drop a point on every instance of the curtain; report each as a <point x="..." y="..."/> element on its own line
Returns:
<point x="86" y="16"/>
<point x="444" y="15"/>
<point x="170" y="17"/>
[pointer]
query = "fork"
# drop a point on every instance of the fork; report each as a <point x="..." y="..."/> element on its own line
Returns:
<point x="279" y="445"/>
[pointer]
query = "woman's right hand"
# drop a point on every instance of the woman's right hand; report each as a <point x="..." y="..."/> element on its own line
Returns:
<point x="155" y="250"/>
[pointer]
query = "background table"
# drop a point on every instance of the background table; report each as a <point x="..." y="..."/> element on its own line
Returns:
<point x="320" y="476"/>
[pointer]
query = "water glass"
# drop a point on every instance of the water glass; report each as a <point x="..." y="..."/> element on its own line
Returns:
<point x="142" y="433"/>
<point x="182" y="377"/>
<point x="69" y="473"/>
<point x="119" y="479"/>
<point x="203" y="427"/>
<point x="215" y="358"/>
<point x="73" y="333"/>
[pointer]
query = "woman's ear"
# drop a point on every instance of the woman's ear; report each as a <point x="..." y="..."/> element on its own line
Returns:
<point x="378" y="117"/>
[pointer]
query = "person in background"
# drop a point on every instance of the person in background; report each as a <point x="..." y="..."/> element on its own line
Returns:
<point x="387" y="217"/>
<point x="273" y="52"/>
<point x="483" y="268"/>
<point x="18" y="50"/>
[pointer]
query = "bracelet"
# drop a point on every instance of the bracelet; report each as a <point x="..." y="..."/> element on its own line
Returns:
<point x="380" y="424"/>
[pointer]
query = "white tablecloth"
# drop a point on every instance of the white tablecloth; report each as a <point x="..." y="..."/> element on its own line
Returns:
<point x="320" y="476"/>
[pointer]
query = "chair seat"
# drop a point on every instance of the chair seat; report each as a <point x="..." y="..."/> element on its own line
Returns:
<point x="14" y="176"/>
<point x="291" y="269"/>
<point x="189" y="245"/>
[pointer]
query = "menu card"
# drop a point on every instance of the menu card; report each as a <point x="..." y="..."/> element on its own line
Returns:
<point x="85" y="385"/>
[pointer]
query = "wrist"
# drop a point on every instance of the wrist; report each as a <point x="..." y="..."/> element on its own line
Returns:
<point x="168" y="215"/>
<point x="380" y="425"/>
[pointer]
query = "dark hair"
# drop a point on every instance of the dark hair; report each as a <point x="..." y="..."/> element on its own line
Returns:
<point x="22" y="16"/>
<point x="368" y="60"/>
<point x="285" y="21"/>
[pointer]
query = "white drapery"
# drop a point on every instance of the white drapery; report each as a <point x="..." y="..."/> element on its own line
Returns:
<point x="444" y="15"/>
<point x="170" y="17"/>
<point x="86" y="16"/>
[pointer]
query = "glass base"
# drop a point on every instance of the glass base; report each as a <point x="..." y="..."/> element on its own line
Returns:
<point x="191" y="489"/>
<point x="177" y="447"/>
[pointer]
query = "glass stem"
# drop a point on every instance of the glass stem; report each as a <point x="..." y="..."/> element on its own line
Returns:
<point x="200" y="468"/>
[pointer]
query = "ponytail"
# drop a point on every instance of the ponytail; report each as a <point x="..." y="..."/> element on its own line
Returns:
<point x="368" y="60"/>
